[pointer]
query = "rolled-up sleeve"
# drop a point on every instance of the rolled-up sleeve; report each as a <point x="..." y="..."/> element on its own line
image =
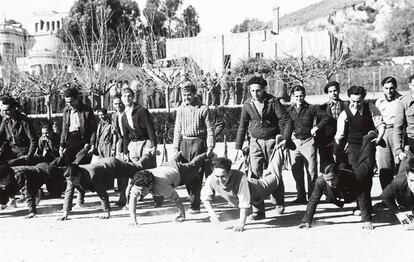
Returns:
<point x="244" y="193"/>
<point x="340" y="127"/>
<point x="207" y="192"/>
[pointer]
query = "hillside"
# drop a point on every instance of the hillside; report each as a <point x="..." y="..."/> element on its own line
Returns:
<point x="322" y="9"/>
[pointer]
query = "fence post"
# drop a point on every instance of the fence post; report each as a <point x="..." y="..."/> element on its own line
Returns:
<point x="373" y="81"/>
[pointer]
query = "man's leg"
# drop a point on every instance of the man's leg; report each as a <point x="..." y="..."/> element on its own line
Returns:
<point x="257" y="156"/>
<point x="385" y="160"/>
<point x="297" y="171"/>
<point x="353" y="152"/>
<point x="366" y="162"/>
<point x="325" y="157"/>
<point x="308" y="150"/>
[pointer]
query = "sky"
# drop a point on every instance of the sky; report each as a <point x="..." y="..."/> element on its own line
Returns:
<point x="215" y="16"/>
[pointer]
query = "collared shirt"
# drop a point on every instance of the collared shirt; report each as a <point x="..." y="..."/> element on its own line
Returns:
<point x="128" y="113"/>
<point x="74" y="123"/>
<point x="388" y="108"/>
<point x="259" y="106"/>
<point x="404" y="121"/>
<point x="336" y="108"/>
<point x="236" y="191"/>
<point x="343" y="118"/>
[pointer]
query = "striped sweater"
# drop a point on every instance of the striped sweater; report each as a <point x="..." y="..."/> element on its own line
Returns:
<point x="194" y="121"/>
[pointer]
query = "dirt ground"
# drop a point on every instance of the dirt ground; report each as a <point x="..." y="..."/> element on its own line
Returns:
<point x="336" y="235"/>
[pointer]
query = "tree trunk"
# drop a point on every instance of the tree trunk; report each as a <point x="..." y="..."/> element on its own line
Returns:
<point x="167" y="98"/>
<point x="48" y="106"/>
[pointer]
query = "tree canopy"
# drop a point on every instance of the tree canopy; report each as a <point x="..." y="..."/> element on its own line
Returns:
<point x="250" y="24"/>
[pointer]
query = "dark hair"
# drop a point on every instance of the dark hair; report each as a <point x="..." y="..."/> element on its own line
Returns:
<point x="330" y="84"/>
<point x="117" y="97"/>
<point x="143" y="178"/>
<point x="298" y="88"/>
<point x="45" y="126"/>
<point x="257" y="80"/>
<point x="223" y="163"/>
<point x="71" y="92"/>
<point x="189" y="87"/>
<point x="7" y="100"/>
<point x="411" y="78"/>
<point x="331" y="169"/>
<point x="73" y="170"/>
<point x="389" y="79"/>
<point x="357" y="90"/>
<point x="127" y="90"/>
<point x="410" y="166"/>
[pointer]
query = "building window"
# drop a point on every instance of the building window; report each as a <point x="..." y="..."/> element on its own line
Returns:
<point x="57" y="25"/>
<point x="227" y="62"/>
<point x="36" y="27"/>
<point x="47" y="26"/>
<point x="53" y="25"/>
<point x="42" y="24"/>
<point x="259" y="55"/>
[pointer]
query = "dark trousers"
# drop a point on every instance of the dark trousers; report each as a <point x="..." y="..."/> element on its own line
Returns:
<point x="190" y="148"/>
<point x="325" y="156"/>
<point x="74" y="145"/>
<point x="353" y="152"/>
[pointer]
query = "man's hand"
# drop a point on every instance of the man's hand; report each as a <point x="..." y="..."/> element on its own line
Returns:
<point x="304" y="225"/>
<point x="113" y="152"/>
<point x="402" y="156"/>
<point x="105" y="216"/>
<point x="238" y="228"/>
<point x="180" y="218"/>
<point x="134" y="224"/>
<point x="31" y="215"/>
<point x="313" y="130"/>
<point x="282" y="144"/>
<point x="61" y="151"/>
<point x="376" y="140"/>
<point x="368" y="226"/>
<point x="91" y="149"/>
<point x="209" y="152"/>
<point x="62" y="218"/>
<point x="152" y="150"/>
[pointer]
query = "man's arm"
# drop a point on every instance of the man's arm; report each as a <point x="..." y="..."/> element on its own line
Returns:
<point x="241" y="131"/>
<point x="340" y="127"/>
<point x="211" y="212"/>
<point x="322" y="115"/>
<point x="177" y="131"/>
<point x="132" y="205"/>
<point x="67" y="202"/>
<point x="65" y="128"/>
<point x="390" y="194"/>
<point x="31" y="134"/>
<point x="91" y="125"/>
<point x="286" y="124"/>
<point x="242" y="220"/>
<point x="209" y="122"/>
<point x="149" y="125"/>
<point x="399" y="125"/>
<point x="103" y="196"/>
<point x="180" y="206"/>
<point x="314" y="201"/>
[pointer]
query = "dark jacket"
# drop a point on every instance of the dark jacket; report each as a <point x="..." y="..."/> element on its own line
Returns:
<point x="348" y="188"/>
<point x="275" y="120"/>
<point x="98" y="177"/>
<point x="20" y="134"/>
<point x="306" y="117"/>
<point x="117" y="143"/>
<point x="326" y="135"/>
<point x="143" y="128"/>
<point x="87" y="125"/>
<point x="398" y="190"/>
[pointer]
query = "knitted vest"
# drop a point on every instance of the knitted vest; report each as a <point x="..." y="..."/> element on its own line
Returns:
<point x="358" y="126"/>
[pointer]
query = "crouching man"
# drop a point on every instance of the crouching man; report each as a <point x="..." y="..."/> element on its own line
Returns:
<point x="401" y="189"/>
<point x="342" y="185"/>
<point x="240" y="191"/>
<point x="96" y="177"/>
<point x="28" y="179"/>
<point x="162" y="180"/>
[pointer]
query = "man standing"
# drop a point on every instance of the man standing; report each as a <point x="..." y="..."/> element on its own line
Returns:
<point x="17" y="135"/>
<point x="138" y="128"/>
<point x="355" y="122"/>
<point x="303" y="153"/>
<point x="103" y="134"/>
<point x="117" y="143"/>
<point x="265" y="118"/>
<point x="387" y="105"/>
<point x="193" y="135"/>
<point x="404" y="123"/>
<point x="324" y="138"/>
<point x="78" y="128"/>
<point x="225" y="83"/>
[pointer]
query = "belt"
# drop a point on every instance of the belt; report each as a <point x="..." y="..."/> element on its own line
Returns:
<point x="193" y="137"/>
<point x="74" y="132"/>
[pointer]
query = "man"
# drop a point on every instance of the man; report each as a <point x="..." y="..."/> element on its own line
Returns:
<point x="401" y="189"/>
<point x="341" y="185"/>
<point x="324" y="138"/>
<point x="404" y="124"/>
<point x="162" y="180"/>
<point x="117" y="143"/>
<point x="98" y="177"/>
<point x="48" y="145"/>
<point x="234" y="186"/>
<point x="303" y="153"/>
<point x="193" y="135"/>
<point x="225" y="85"/>
<point x="138" y="128"/>
<point x="103" y="134"/>
<point x="265" y="118"/>
<point x="28" y="179"/>
<point x="78" y="128"/>
<point x="387" y="105"/>
<point x="17" y="135"/>
<point x="354" y="123"/>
